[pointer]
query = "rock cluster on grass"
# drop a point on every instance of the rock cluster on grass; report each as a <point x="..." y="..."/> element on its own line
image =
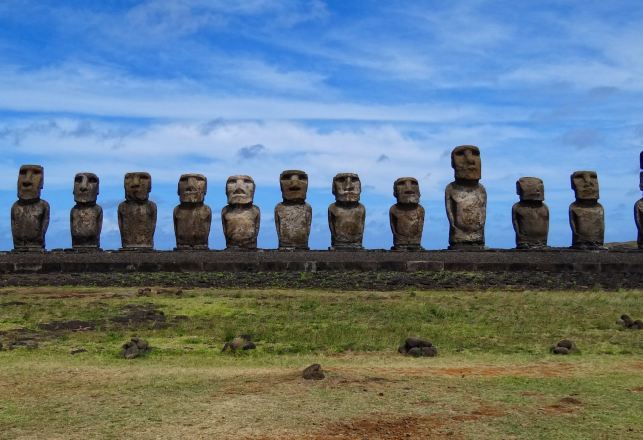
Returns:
<point x="29" y="344"/>
<point x="418" y="347"/>
<point x="313" y="372"/>
<point x="242" y="341"/>
<point x="565" y="347"/>
<point x="134" y="348"/>
<point x="627" y="322"/>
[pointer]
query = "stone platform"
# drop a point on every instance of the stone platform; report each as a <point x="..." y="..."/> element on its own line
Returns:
<point x="556" y="260"/>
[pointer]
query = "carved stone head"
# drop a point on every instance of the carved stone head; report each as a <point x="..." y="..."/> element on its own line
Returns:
<point x="294" y="185"/>
<point x="465" y="160"/>
<point x="530" y="188"/>
<point x="407" y="190"/>
<point x="192" y="188"/>
<point x="85" y="187"/>
<point x="138" y="186"/>
<point x="585" y="185"/>
<point x="30" y="181"/>
<point x="240" y="190"/>
<point x="347" y="187"/>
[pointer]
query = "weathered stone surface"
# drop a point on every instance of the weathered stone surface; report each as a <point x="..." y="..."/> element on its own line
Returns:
<point x="30" y="214"/>
<point x="131" y="350"/>
<point x="240" y="218"/>
<point x="140" y="343"/>
<point x="466" y="200"/>
<point x="530" y="216"/>
<point x="86" y="218"/>
<point x="293" y="216"/>
<point x="137" y="214"/>
<point x="346" y="217"/>
<point x="192" y="218"/>
<point x="586" y="215"/>
<point x="233" y="345"/>
<point x="415" y="351"/>
<point x="561" y="350"/>
<point x="313" y="373"/>
<point x="406" y="217"/>
<point x="402" y="349"/>
<point x="638" y="213"/>
<point x="429" y="351"/>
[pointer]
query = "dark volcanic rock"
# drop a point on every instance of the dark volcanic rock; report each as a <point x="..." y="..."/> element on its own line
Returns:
<point x="131" y="350"/>
<point x="429" y="351"/>
<point x="415" y="351"/>
<point x="82" y="350"/>
<point x="313" y="373"/>
<point x="413" y="342"/>
<point x="249" y="346"/>
<point x="561" y="350"/>
<point x="402" y="349"/>
<point x="566" y="343"/>
<point x="628" y="321"/>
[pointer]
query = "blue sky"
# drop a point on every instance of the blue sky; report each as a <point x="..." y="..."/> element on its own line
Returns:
<point x="384" y="89"/>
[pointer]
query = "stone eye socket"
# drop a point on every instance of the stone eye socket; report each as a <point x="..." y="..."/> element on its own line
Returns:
<point x="355" y="179"/>
<point x="287" y="177"/>
<point x="247" y="181"/>
<point x="303" y="177"/>
<point x="78" y="179"/>
<point x="460" y="153"/>
<point x="93" y="180"/>
<point x="23" y="172"/>
<point x="183" y="179"/>
<point x="475" y="153"/>
<point x="414" y="183"/>
<point x="341" y="179"/>
<point x="144" y="178"/>
<point x="200" y="179"/>
<point x="593" y="175"/>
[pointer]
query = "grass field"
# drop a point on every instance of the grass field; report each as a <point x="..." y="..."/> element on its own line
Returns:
<point x="494" y="376"/>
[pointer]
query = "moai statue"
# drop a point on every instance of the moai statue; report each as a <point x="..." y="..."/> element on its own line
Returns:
<point x="407" y="215"/>
<point x="137" y="214"/>
<point x="293" y="216"/>
<point x="346" y="216"/>
<point x="30" y="214"/>
<point x="530" y="215"/>
<point x="586" y="215"/>
<point x="638" y="209"/>
<point x="192" y="218"/>
<point x="466" y="200"/>
<point x="86" y="218"/>
<point x="240" y="218"/>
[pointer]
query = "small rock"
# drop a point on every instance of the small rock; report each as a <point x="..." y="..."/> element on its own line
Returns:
<point x="249" y="346"/>
<point x="82" y="350"/>
<point x="31" y="345"/>
<point x="413" y="342"/>
<point x="131" y="350"/>
<point x="627" y="319"/>
<point x="14" y="346"/>
<point x="233" y="345"/>
<point x="429" y="351"/>
<point x="639" y="323"/>
<point x="313" y="373"/>
<point x="566" y="343"/>
<point x="459" y="350"/>
<point x="561" y="350"/>
<point x="0" y="346"/>
<point x="245" y="337"/>
<point x="634" y="327"/>
<point x="140" y="343"/>
<point x="401" y="349"/>
<point x="620" y="322"/>
<point x="415" y="351"/>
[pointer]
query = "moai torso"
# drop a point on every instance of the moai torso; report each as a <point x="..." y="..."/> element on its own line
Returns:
<point x="137" y="214"/>
<point x="406" y="217"/>
<point x="586" y="215"/>
<point x="86" y="218"/>
<point x="240" y="219"/>
<point x="587" y="221"/>
<point x="467" y="212"/>
<point x="530" y="216"/>
<point x="293" y="216"/>
<point x="293" y="221"/>
<point x="30" y="214"/>
<point x="241" y="226"/>
<point x="638" y="210"/>
<point x="86" y="224"/>
<point x="29" y="223"/>
<point x="346" y="223"/>
<point x="137" y="222"/>
<point x="192" y="218"/>
<point x="346" y="217"/>
<point x="466" y="200"/>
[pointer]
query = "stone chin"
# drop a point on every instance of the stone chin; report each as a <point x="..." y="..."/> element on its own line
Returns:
<point x="468" y="174"/>
<point x="85" y="198"/>
<point x="192" y="197"/>
<point x="294" y="195"/>
<point x="347" y="197"/>
<point x="240" y="199"/>
<point x="408" y="198"/>
<point x="136" y="195"/>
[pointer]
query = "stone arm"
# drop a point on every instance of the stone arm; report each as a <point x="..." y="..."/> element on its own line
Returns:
<point x="153" y="215"/>
<point x="277" y="220"/>
<point x="392" y="219"/>
<point x="514" y="219"/>
<point x="638" y="215"/>
<point x="120" y="218"/>
<point x="224" y="222"/>
<point x="175" y="220"/>
<point x="448" y="204"/>
<point x="572" y="220"/>
<point x="257" y="219"/>
<point x="309" y="216"/>
<point x="45" y="217"/>
<point x="331" y="221"/>
<point x="208" y="219"/>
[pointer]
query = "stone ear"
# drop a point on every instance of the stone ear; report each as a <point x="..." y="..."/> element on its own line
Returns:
<point x="518" y="188"/>
<point x="333" y="187"/>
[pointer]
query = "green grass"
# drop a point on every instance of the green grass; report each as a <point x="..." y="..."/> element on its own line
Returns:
<point x="505" y="384"/>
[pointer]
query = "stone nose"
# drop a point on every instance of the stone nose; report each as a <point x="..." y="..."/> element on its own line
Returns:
<point x="468" y="157"/>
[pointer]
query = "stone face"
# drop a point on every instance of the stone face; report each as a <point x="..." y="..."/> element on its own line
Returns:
<point x="466" y="200"/>
<point x="30" y="214"/>
<point x="586" y="215"/>
<point x="137" y="214"/>
<point x="530" y="216"/>
<point x="293" y="216"/>
<point x="346" y="217"/>
<point x="192" y="218"/>
<point x="406" y="217"/>
<point x="638" y="213"/>
<point x="86" y="218"/>
<point x="240" y="218"/>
